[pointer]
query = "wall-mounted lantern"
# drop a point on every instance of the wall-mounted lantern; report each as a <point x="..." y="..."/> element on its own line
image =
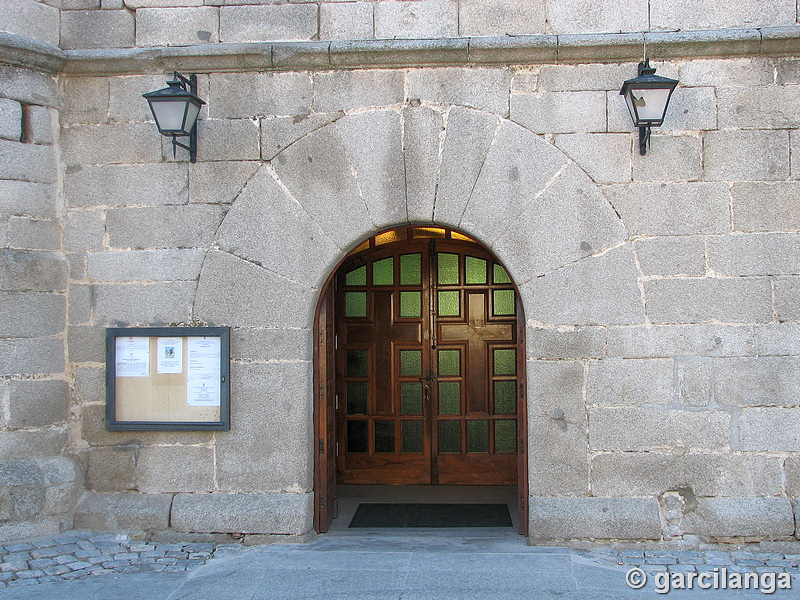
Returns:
<point x="175" y="110"/>
<point x="647" y="96"/>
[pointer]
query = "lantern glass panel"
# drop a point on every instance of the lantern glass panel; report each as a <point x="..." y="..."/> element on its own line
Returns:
<point x="169" y="114"/>
<point x="650" y="103"/>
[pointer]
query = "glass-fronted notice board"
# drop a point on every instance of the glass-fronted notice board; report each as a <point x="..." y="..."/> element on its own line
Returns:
<point x="167" y="378"/>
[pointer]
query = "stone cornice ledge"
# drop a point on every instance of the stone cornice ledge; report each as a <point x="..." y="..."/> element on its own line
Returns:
<point x="534" y="49"/>
<point x="25" y="52"/>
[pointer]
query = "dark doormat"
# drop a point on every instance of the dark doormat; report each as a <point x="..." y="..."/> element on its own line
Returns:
<point x="431" y="515"/>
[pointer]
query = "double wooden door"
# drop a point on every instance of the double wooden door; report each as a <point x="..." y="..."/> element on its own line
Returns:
<point x="428" y="366"/>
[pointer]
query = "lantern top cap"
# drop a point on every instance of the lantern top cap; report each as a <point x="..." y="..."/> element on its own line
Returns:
<point x="177" y="89"/>
<point x="648" y="79"/>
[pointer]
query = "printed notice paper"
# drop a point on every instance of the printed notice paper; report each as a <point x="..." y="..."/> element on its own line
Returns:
<point x="203" y="379"/>
<point x="170" y="355"/>
<point x="133" y="357"/>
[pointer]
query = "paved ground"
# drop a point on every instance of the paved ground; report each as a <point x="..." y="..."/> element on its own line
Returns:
<point x="376" y="565"/>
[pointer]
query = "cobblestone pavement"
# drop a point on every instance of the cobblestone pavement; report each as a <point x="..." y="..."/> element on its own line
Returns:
<point x="79" y="554"/>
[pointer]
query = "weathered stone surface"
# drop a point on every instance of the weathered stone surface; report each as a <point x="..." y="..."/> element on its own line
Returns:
<point x="191" y="226"/>
<point x="755" y="254"/>
<point x="504" y="17"/>
<point x="694" y="381"/>
<point x="632" y="428"/>
<point x="148" y="304"/>
<point x="80" y="303"/>
<point x="243" y="513"/>
<point x="416" y="20"/>
<point x="778" y="339"/>
<point x="346" y="90"/>
<point x="33" y="444"/>
<point x="517" y="168"/>
<point x="596" y="290"/>
<point x="254" y="296"/>
<point x="730" y="72"/>
<point x="40" y="123"/>
<point x="671" y="209"/>
<point x="482" y="88"/>
<point x="554" y="112"/>
<point x="38" y="356"/>
<point x="225" y="139"/>
<point x="31" y="314"/>
<point x="146" y="265"/>
<point x="565" y="342"/>
<point x="606" y="158"/>
<point x="761" y="381"/>
<point x="86" y="343"/>
<point x="282" y="22"/>
<point x="768" y="429"/>
<point x="26" y="198"/>
<point x="125" y="511"/>
<point x="584" y="77"/>
<point x="787" y="299"/>
<point x="111" y="469"/>
<point x="712" y="298"/>
<point x="262" y="345"/>
<point x="761" y="206"/>
<point x="89" y="385"/>
<point x="621" y="382"/>
<point x="682" y="152"/>
<point x="746" y="155"/>
<point x="555" y="390"/>
<point x="653" y="473"/>
<point x="219" y="182"/>
<point x="27" y="162"/>
<point x="741" y="517"/>
<point x="568" y="221"/>
<point x="346" y="21"/>
<point x="244" y="95"/>
<point x="10" y="120"/>
<point x="97" y="29"/>
<point x="791" y="467"/>
<point x="594" y="518"/>
<point x="277" y="133"/>
<point x="31" y="19"/>
<point x="25" y="233"/>
<point x="75" y="109"/>
<point x="30" y="87"/>
<point x="670" y="256"/>
<point x="267" y="227"/>
<point x="177" y="26"/>
<point x="32" y="271"/>
<point x="767" y="107"/>
<point x="422" y="132"/>
<point x="557" y="451"/>
<point x="171" y="469"/>
<point x="706" y="14"/>
<point x="120" y="185"/>
<point x="110" y="143"/>
<point x="373" y="143"/>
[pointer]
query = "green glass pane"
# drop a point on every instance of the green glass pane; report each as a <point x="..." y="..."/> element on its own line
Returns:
<point x="448" y="269"/>
<point x="383" y="271"/>
<point x="450" y="363"/>
<point x="356" y="304"/>
<point x="357" y="276"/>
<point x="504" y="302"/>
<point x="505" y="397"/>
<point x="410" y="269"/>
<point x="476" y="270"/>
<point x="410" y="304"/>
<point x="357" y="394"/>
<point x="357" y="436"/>
<point x="505" y="436"/>
<point x="411" y="398"/>
<point x="449" y="305"/>
<point x="449" y="397"/>
<point x="412" y="436"/>
<point x="449" y="436"/>
<point x="500" y="275"/>
<point x="505" y="361"/>
<point x="356" y="363"/>
<point x="477" y="436"/>
<point x="410" y="363"/>
<point x="384" y="436"/>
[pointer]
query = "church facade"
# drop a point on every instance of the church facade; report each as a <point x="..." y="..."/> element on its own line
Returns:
<point x="440" y="254"/>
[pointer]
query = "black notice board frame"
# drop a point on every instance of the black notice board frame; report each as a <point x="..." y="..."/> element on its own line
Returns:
<point x="114" y="424"/>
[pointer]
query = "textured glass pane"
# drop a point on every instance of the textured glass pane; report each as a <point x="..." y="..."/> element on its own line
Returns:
<point x="410" y="269"/>
<point x="449" y="398"/>
<point x="384" y="436"/>
<point x="500" y="275"/>
<point x="477" y="436"/>
<point x="356" y="304"/>
<point x="450" y="363"/>
<point x="383" y="271"/>
<point x="505" y="361"/>
<point x="505" y="397"/>
<point x="360" y="247"/>
<point x="449" y="436"/>
<point x="505" y="436"/>
<point x="448" y="269"/>
<point x="410" y="304"/>
<point x="460" y="236"/>
<point x="410" y="363"/>
<point x="357" y="276"/>
<point x="428" y="232"/>
<point x="411" y="398"/>
<point x="357" y="393"/>
<point x="503" y="302"/>
<point x="476" y="270"/>
<point x="449" y="304"/>
<point x="412" y="436"/>
<point x="356" y="363"/>
<point x="357" y="436"/>
<point x="397" y="235"/>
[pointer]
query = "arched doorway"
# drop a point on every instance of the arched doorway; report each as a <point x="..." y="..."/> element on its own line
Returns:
<point x="420" y="367"/>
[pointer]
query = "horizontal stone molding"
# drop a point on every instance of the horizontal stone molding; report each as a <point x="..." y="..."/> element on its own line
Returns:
<point x="22" y="51"/>
<point x="344" y="54"/>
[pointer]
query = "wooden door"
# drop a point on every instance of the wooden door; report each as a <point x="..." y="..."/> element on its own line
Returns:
<point x="325" y="423"/>
<point x="429" y="366"/>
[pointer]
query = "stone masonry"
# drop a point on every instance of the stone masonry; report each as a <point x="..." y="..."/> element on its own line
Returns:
<point x="661" y="292"/>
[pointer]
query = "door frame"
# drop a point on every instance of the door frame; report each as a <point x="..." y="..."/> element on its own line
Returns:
<point x="325" y="437"/>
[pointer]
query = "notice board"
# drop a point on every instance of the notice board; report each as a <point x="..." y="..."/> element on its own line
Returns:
<point x="167" y="378"/>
